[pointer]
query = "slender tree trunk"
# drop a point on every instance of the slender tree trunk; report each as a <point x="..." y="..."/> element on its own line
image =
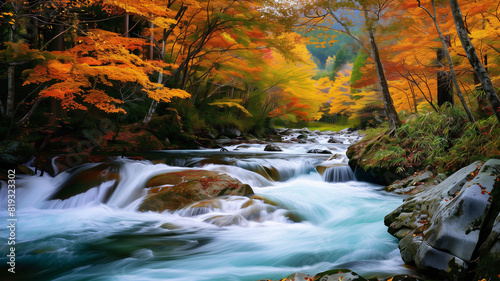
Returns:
<point x="10" y="94"/>
<point x="126" y="25"/>
<point x="390" y="110"/>
<point x="154" y="103"/>
<point x="452" y="68"/>
<point x="443" y="83"/>
<point x="474" y="60"/>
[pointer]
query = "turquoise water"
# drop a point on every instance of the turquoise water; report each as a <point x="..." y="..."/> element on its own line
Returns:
<point x="340" y="224"/>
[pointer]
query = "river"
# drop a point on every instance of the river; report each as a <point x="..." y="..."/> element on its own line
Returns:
<point x="338" y="223"/>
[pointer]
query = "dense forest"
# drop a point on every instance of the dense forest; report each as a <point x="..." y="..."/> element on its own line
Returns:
<point x="249" y="139"/>
<point x="179" y="73"/>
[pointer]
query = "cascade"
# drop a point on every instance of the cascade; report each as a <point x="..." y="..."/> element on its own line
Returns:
<point x="339" y="174"/>
<point x="296" y="222"/>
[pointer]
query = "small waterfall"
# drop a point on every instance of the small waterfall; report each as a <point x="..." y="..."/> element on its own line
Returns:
<point x="277" y="169"/>
<point x="235" y="210"/>
<point x="339" y="174"/>
<point x="93" y="196"/>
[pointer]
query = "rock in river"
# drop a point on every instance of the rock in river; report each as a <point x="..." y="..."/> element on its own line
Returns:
<point x="174" y="190"/>
<point x="442" y="228"/>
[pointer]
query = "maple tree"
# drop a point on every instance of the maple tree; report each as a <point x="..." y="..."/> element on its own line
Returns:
<point x="99" y="58"/>
<point x="369" y="13"/>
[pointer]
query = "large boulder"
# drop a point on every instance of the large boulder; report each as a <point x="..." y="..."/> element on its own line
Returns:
<point x="88" y="176"/>
<point x="272" y="147"/>
<point x="174" y="190"/>
<point x="441" y="228"/>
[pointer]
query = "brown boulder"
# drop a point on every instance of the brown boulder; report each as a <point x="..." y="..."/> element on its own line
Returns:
<point x="172" y="191"/>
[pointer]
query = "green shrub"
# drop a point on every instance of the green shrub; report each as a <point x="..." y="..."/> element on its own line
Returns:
<point x="443" y="141"/>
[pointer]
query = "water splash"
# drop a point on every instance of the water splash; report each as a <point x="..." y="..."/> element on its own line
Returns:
<point x="339" y="174"/>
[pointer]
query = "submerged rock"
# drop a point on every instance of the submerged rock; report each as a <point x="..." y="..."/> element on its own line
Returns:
<point x="190" y="186"/>
<point x="442" y="227"/>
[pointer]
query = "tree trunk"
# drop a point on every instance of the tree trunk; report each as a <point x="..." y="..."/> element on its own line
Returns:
<point x="452" y="68"/>
<point x="9" y="112"/>
<point x="474" y="60"/>
<point x="390" y="110"/>
<point x="154" y="103"/>
<point x="443" y="83"/>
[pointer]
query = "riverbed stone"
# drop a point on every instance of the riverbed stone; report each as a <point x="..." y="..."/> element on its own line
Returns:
<point x="319" y="151"/>
<point x="272" y="147"/>
<point x="441" y="228"/>
<point x="338" y="274"/>
<point x="189" y="186"/>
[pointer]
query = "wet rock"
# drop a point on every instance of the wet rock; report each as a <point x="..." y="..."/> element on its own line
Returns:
<point x="338" y="274"/>
<point x="272" y="147"/>
<point x="190" y="186"/>
<point x="224" y="140"/>
<point x="88" y="176"/>
<point x="230" y="132"/>
<point x="319" y="151"/>
<point x="334" y="140"/>
<point x="415" y="183"/>
<point x="202" y="207"/>
<point x="23" y="169"/>
<point x="321" y="168"/>
<point x="441" y="228"/>
<point x="298" y="277"/>
<point x="226" y="220"/>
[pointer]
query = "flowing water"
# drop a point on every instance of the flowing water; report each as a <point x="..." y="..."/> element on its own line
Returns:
<point x="315" y="222"/>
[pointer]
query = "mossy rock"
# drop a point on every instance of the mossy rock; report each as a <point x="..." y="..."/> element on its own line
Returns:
<point x="190" y="186"/>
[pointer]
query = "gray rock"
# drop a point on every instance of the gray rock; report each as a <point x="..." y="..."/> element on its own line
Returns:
<point x="298" y="277"/>
<point x="319" y="151"/>
<point x="223" y="140"/>
<point x="338" y="274"/>
<point x="272" y="147"/>
<point x="231" y="132"/>
<point x="448" y="221"/>
<point x="334" y="140"/>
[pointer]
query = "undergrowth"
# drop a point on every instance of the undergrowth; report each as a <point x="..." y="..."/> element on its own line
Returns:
<point x="443" y="142"/>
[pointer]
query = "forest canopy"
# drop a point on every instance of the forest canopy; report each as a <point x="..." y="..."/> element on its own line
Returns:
<point x="208" y="65"/>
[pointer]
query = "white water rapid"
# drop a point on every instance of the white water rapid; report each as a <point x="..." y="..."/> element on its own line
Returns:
<point x="307" y="223"/>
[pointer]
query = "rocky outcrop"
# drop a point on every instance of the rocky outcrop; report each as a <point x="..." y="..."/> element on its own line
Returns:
<point x="446" y="229"/>
<point x="416" y="183"/>
<point x="172" y="191"/>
